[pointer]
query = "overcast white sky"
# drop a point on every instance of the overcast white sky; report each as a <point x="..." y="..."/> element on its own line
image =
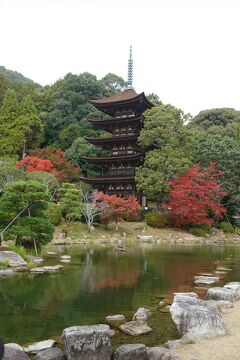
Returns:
<point x="188" y="52"/>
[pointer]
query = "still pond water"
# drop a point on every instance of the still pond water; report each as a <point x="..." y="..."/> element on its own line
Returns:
<point x="100" y="282"/>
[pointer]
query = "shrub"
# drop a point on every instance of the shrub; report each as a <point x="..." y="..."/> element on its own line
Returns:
<point x="237" y="230"/>
<point x="157" y="220"/>
<point x="226" y="227"/>
<point x="198" y="231"/>
<point x="54" y="213"/>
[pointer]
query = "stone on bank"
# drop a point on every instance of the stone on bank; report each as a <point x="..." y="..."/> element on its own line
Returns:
<point x="87" y="342"/>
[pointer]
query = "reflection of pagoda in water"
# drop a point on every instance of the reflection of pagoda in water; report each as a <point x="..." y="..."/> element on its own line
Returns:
<point x="118" y="169"/>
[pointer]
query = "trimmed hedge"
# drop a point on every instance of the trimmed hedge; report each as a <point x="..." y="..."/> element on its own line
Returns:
<point x="226" y="227"/>
<point x="198" y="231"/>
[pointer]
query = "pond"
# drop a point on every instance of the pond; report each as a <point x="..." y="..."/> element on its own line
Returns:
<point x="101" y="282"/>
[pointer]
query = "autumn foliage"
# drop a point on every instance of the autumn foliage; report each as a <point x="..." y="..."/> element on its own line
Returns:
<point x="195" y="196"/>
<point x="63" y="170"/>
<point x="31" y="164"/>
<point x="114" y="208"/>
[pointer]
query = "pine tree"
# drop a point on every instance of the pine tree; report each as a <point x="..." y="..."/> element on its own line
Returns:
<point x="71" y="201"/>
<point x="23" y="214"/>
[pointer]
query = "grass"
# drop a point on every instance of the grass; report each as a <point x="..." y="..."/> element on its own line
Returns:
<point x="20" y="250"/>
<point x="4" y="264"/>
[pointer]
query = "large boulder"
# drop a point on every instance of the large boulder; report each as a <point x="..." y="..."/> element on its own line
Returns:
<point x="234" y="285"/>
<point x="87" y="342"/>
<point x="13" y="258"/>
<point x="192" y="316"/>
<point x="115" y="320"/>
<point x="50" y="354"/>
<point x="135" y="328"/>
<point x="142" y="314"/>
<point x="14" y="353"/>
<point x="36" y="347"/>
<point x="222" y="293"/>
<point x="160" y="353"/>
<point x="131" y="352"/>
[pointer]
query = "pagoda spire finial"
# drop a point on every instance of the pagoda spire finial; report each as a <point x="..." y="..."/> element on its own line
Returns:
<point x="130" y="70"/>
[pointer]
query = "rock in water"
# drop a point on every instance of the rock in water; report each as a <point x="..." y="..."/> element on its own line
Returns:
<point x="39" y="346"/>
<point x="87" y="342"/>
<point x="50" y="354"/>
<point x="13" y="353"/>
<point x="13" y="258"/>
<point x="142" y="314"/>
<point x="222" y="293"/>
<point x="130" y="352"/>
<point x="193" y="317"/>
<point x="115" y="320"/>
<point x="135" y="328"/>
<point x="160" y="353"/>
<point x="6" y="272"/>
<point x="207" y="280"/>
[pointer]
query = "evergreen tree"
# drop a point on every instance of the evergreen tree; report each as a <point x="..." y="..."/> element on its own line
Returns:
<point x="24" y="203"/>
<point x="71" y="201"/>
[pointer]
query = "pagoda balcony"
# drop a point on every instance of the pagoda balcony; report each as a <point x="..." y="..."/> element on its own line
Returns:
<point x="110" y="125"/>
<point x="120" y="172"/>
<point x="109" y="179"/>
<point x="132" y="158"/>
<point x="109" y="142"/>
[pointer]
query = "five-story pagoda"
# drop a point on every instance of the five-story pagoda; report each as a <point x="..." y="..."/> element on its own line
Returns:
<point x="118" y="169"/>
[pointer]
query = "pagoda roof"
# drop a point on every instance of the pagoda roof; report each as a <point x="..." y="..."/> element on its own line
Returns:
<point x="123" y="99"/>
<point x="117" y="158"/>
<point x="108" y="179"/>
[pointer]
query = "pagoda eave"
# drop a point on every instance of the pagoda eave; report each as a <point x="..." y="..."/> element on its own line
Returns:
<point x="109" y="141"/>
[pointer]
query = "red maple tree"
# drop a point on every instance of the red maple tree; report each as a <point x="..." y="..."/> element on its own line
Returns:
<point x="114" y="208"/>
<point x="31" y="164"/>
<point x="63" y="170"/>
<point x="195" y="196"/>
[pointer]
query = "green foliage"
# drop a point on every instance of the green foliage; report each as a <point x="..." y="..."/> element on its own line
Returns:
<point x="20" y="125"/>
<point x="80" y="148"/>
<point x="221" y="117"/>
<point x="9" y="173"/>
<point x="3" y="88"/>
<point x="198" y="231"/>
<point x="46" y="179"/>
<point x="4" y="263"/>
<point x="13" y="75"/>
<point x="25" y="203"/>
<point x="226" y="227"/>
<point x="162" y="127"/>
<point x="68" y="135"/>
<point x="54" y="213"/>
<point x="71" y="201"/>
<point x="157" y="220"/>
<point x="159" y="167"/>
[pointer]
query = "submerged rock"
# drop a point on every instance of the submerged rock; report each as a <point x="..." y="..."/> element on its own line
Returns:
<point x="207" y="280"/>
<point x="160" y="353"/>
<point x="87" y="342"/>
<point x="39" y="270"/>
<point x="192" y="316"/>
<point x="115" y="320"/>
<point x="6" y="272"/>
<point x="142" y="314"/>
<point x="66" y="257"/>
<point x="50" y="354"/>
<point x="14" y="353"/>
<point x="135" y="328"/>
<point x="53" y="267"/>
<point x="222" y="293"/>
<point x="130" y="352"/>
<point x="13" y="258"/>
<point x="35" y="259"/>
<point x="39" y="346"/>
<point x="145" y="237"/>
